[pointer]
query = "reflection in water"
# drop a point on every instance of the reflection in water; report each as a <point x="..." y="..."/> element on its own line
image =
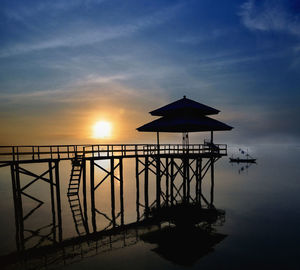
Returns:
<point x="186" y="232"/>
<point x="242" y="167"/>
<point x="183" y="246"/>
<point x="179" y="222"/>
<point x="79" y="217"/>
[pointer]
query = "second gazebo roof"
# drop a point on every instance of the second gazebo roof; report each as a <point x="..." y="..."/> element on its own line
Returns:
<point x="184" y="123"/>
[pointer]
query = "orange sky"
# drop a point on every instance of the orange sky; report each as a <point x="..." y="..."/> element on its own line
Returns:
<point x="68" y="117"/>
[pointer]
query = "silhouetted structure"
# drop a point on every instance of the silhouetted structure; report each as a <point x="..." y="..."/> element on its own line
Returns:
<point x="179" y="170"/>
<point x="184" y="115"/>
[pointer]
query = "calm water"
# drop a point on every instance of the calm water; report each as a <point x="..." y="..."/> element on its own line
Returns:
<point x="262" y="219"/>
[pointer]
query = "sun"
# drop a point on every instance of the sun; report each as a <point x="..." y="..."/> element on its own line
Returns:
<point x="102" y="130"/>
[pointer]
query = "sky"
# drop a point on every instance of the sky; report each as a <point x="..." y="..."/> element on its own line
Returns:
<point x="64" y="65"/>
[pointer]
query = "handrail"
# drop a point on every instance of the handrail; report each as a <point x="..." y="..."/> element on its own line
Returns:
<point x="65" y="152"/>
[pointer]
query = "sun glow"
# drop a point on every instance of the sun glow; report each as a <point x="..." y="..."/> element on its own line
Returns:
<point x="102" y="130"/>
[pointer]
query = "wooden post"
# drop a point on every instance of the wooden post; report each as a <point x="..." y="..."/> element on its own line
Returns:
<point x="188" y="178"/>
<point x="84" y="191"/>
<point x="20" y="206"/>
<point x="199" y="180"/>
<point x="158" y="188"/>
<point x="16" y="203"/>
<point x="167" y="181"/>
<point x="112" y="188"/>
<point x="137" y="188"/>
<point x="57" y="182"/>
<point x="121" y="191"/>
<point x="52" y="199"/>
<point x="92" y="180"/>
<point x="184" y="178"/>
<point x="172" y="181"/>
<point x="146" y="194"/>
<point x="212" y="181"/>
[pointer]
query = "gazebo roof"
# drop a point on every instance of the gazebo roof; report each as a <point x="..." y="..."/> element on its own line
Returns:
<point x="184" y="106"/>
<point x="184" y="123"/>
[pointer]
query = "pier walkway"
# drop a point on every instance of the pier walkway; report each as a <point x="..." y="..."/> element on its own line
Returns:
<point x="38" y="153"/>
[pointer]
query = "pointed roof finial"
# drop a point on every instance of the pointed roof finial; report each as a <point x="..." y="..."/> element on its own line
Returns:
<point x="184" y="96"/>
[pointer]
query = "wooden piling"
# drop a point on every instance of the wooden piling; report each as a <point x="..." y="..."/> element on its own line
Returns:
<point x="137" y="188"/>
<point x="92" y="187"/>
<point x="112" y="189"/>
<point x="121" y="190"/>
<point x="58" y="201"/>
<point x="146" y="186"/>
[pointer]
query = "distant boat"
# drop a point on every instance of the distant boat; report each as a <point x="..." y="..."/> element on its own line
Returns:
<point x="247" y="159"/>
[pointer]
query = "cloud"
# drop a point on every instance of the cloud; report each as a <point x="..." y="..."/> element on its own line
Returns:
<point x="21" y="12"/>
<point x="88" y="90"/>
<point x="85" y="34"/>
<point x="212" y="34"/>
<point x="270" y="15"/>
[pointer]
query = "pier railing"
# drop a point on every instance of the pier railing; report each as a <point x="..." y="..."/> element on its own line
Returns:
<point x="65" y="152"/>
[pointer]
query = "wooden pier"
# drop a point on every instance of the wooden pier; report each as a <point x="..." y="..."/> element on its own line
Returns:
<point x="187" y="165"/>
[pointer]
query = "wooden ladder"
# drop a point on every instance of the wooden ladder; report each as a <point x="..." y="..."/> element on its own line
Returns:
<point x="74" y="183"/>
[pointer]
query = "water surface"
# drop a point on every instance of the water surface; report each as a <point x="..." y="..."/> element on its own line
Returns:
<point x="260" y="230"/>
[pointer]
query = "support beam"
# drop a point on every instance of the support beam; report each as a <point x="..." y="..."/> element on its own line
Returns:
<point x="212" y="172"/>
<point x="92" y="180"/>
<point x="84" y="193"/>
<point x="184" y="180"/>
<point x="188" y="191"/>
<point x="167" y="181"/>
<point x="137" y="188"/>
<point x="121" y="190"/>
<point x="52" y="198"/>
<point x="146" y="186"/>
<point x="20" y="206"/>
<point x="112" y="190"/>
<point x="172" y="181"/>
<point x="58" y="202"/>
<point x="16" y="203"/>
<point x="158" y="187"/>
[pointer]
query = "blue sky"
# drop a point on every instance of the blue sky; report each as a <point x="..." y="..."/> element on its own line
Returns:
<point x="65" y="64"/>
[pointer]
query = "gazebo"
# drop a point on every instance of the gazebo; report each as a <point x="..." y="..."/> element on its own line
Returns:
<point x="184" y="116"/>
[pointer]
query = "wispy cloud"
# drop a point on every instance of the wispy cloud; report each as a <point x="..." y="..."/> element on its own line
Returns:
<point x="213" y="34"/>
<point x="270" y="15"/>
<point x="89" y="89"/>
<point x="21" y="12"/>
<point x="91" y="34"/>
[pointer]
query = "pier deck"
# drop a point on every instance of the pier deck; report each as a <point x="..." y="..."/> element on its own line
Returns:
<point x="38" y="153"/>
